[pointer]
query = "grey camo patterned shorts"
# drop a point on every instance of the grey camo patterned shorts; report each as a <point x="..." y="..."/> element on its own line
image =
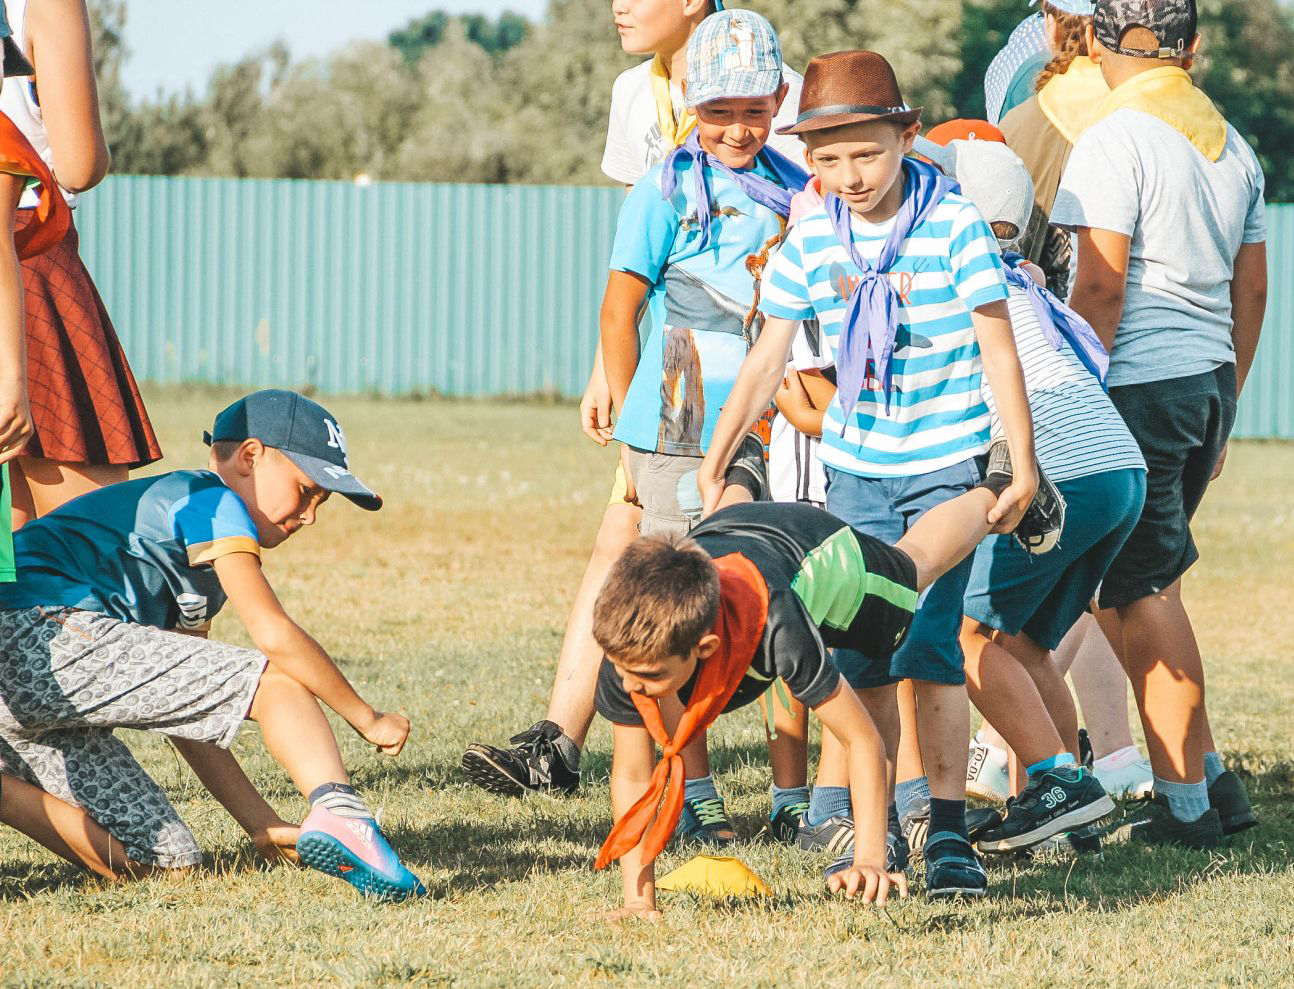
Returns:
<point x="68" y="678"/>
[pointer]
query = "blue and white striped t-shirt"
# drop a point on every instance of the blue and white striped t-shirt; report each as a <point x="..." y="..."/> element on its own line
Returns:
<point x="948" y="267"/>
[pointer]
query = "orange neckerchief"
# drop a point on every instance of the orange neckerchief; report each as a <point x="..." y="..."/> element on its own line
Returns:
<point x="52" y="215"/>
<point x="743" y="612"/>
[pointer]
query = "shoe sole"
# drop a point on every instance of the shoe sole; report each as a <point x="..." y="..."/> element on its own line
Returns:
<point x="1238" y="823"/>
<point x="326" y="854"/>
<point x="954" y="893"/>
<point x="1075" y="819"/>
<point x="490" y="776"/>
<point x="984" y="793"/>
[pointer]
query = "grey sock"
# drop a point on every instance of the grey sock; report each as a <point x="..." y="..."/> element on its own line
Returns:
<point x="700" y="789"/>
<point x="340" y="799"/>
<point x="1187" y="801"/>
<point x="912" y="798"/>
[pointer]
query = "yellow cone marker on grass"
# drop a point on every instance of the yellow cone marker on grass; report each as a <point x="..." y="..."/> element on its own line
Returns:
<point x="714" y="875"/>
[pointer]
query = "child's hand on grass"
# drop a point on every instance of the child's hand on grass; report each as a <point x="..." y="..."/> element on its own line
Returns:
<point x="1014" y="502"/>
<point x="388" y="731"/>
<point x="277" y="843"/>
<point x="872" y="882"/>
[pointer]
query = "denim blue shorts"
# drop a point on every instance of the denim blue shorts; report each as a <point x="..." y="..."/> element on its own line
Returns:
<point x="1043" y="596"/>
<point x="886" y="507"/>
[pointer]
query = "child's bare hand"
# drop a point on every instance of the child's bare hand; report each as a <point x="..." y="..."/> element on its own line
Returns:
<point x="277" y="843"/>
<point x="873" y="882"/>
<point x="711" y="489"/>
<point x="388" y="731"/>
<point x="639" y="911"/>
<point x="595" y="412"/>
<point x="631" y="491"/>
<point x="1222" y="463"/>
<point x="1014" y="502"/>
<point x="15" y="420"/>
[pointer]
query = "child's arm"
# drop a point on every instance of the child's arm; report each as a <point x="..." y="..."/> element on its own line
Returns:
<point x="1248" y="307"/>
<point x="595" y="406"/>
<point x="296" y="654"/>
<point x="225" y="780"/>
<point x="845" y="717"/>
<point x="15" y="413"/>
<point x="762" y="372"/>
<point x="1006" y="378"/>
<point x="619" y="321"/>
<point x="803" y="400"/>
<point x="632" y="762"/>
<point x="1101" y="285"/>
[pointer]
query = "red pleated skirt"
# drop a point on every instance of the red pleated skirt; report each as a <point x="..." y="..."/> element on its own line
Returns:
<point x="85" y="403"/>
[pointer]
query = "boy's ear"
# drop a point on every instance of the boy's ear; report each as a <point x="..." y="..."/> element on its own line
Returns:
<point x="781" y="98"/>
<point x="910" y="133"/>
<point x="249" y="451"/>
<point x="1094" y="48"/>
<point x="708" y="645"/>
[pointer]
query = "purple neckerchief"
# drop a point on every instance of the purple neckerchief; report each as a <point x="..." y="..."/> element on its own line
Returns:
<point x="766" y="193"/>
<point x="1059" y="322"/>
<point x="871" y="319"/>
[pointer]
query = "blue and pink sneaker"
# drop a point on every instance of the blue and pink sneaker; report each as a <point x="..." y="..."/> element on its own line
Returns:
<point x="354" y="849"/>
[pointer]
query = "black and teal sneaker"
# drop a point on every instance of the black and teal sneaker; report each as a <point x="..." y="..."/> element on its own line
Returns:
<point x="952" y="868"/>
<point x="705" y="820"/>
<point x="784" y="827"/>
<point x="983" y="819"/>
<point x="1054" y="802"/>
<point x="1229" y="798"/>
<point x="835" y="836"/>
<point x="542" y="758"/>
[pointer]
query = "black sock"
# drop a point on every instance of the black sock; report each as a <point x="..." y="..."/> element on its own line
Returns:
<point x="892" y="822"/>
<point x="948" y="815"/>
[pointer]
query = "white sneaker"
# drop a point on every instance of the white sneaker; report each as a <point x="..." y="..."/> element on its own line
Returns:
<point x="987" y="777"/>
<point x="1125" y="773"/>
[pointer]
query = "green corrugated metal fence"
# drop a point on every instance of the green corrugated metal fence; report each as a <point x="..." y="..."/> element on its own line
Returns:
<point x="465" y="290"/>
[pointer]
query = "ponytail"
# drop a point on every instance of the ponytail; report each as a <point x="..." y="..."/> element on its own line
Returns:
<point x="1072" y="43"/>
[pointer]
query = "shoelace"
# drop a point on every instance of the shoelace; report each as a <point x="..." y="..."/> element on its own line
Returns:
<point x="709" y="811"/>
<point x="797" y="810"/>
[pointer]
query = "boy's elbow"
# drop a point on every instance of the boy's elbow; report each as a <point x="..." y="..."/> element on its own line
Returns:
<point x="84" y="174"/>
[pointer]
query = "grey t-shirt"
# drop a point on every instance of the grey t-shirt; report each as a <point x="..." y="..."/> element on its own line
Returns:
<point x="1133" y="174"/>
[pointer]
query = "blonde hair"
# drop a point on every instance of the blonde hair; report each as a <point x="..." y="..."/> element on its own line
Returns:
<point x="1071" y="43"/>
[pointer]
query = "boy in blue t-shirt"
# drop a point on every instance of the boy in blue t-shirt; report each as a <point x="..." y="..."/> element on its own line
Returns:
<point x="89" y="643"/>
<point x="906" y="281"/>
<point x="684" y="245"/>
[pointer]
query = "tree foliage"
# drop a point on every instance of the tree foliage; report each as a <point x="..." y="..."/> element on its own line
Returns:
<point x="470" y="99"/>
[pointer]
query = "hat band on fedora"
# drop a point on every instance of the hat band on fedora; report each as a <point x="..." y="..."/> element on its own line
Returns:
<point x="851" y="109"/>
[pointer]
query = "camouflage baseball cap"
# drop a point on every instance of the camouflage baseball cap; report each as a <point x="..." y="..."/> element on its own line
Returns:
<point x="1173" y="23"/>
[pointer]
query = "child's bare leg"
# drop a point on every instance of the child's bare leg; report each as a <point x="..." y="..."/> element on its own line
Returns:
<point x="882" y="706"/>
<point x="571" y="704"/>
<point x="1167" y="674"/>
<point x="907" y="763"/>
<point x="943" y="721"/>
<point x="296" y="732"/>
<point x="788" y="752"/>
<point x="66" y="830"/>
<point x="947" y="534"/>
<point x="1009" y="698"/>
<point x="1100" y="683"/>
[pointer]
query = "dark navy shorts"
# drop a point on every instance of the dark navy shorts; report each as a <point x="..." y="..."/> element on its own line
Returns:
<point x="886" y="507"/>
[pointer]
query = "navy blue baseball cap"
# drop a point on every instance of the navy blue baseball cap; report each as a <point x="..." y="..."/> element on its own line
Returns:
<point x="303" y="431"/>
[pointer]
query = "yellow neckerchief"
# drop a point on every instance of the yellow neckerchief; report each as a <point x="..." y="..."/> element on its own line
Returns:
<point x="1168" y="93"/>
<point x="1072" y="101"/>
<point x="674" y="131"/>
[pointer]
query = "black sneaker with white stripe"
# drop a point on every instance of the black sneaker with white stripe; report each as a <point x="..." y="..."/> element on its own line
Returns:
<point x="1053" y="802"/>
<point x="1044" y="520"/>
<point x="542" y="758"/>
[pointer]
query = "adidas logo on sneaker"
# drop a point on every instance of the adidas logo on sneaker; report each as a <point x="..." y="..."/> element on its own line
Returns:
<point x="362" y="831"/>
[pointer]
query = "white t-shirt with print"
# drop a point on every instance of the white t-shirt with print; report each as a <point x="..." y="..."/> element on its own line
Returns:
<point x="634" y="139"/>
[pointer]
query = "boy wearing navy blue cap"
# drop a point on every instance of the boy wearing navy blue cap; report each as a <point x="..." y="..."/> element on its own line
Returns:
<point x="88" y="644"/>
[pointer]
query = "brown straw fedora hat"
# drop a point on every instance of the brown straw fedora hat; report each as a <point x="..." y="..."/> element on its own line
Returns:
<point x="850" y="88"/>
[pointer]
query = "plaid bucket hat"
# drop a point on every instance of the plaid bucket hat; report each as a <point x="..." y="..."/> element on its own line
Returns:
<point x="733" y="54"/>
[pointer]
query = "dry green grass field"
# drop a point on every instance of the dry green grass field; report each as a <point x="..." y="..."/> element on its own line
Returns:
<point x="449" y="605"/>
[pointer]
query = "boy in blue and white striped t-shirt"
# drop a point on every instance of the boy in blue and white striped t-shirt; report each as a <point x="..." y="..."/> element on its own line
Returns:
<point x="905" y="278"/>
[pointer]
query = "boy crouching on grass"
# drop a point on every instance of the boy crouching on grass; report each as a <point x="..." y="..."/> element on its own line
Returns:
<point x="89" y="642"/>
<point x="694" y="628"/>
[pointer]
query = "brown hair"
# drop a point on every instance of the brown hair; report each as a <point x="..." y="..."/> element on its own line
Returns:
<point x="1072" y="42"/>
<point x="659" y="599"/>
